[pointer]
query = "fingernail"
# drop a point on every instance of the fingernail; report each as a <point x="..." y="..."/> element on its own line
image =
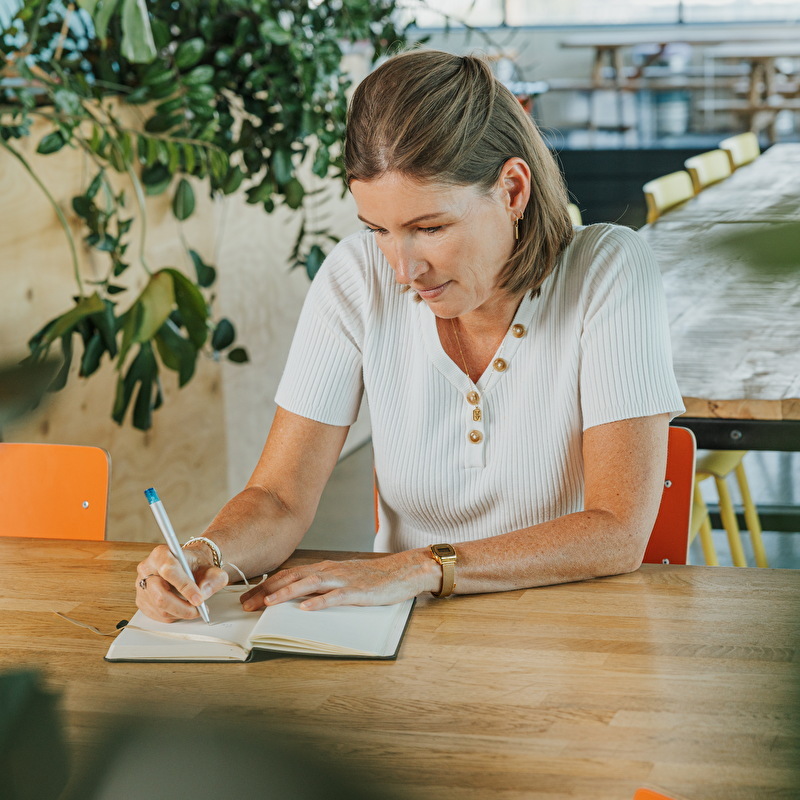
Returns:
<point x="269" y="598"/>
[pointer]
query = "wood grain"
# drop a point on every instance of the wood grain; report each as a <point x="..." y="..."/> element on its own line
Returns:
<point x="681" y="677"/>
<point x="730" y="261"/>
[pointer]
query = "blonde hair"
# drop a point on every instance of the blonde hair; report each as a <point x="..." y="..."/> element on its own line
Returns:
<point x="438" y="117"/>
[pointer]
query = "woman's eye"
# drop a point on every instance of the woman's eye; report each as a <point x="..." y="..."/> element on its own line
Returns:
<point x="431" y="230"/>
<point x="379" y="231"/>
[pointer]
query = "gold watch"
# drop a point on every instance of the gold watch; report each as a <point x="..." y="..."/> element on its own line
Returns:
<point x="445" y="554"/>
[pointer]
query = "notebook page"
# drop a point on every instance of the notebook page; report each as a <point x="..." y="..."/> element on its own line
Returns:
<point x="146" y="638"/>
<point x="370" y="630"/>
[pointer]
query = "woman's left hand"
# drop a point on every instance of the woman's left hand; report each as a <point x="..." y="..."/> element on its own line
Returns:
<point x="368" y="582"/>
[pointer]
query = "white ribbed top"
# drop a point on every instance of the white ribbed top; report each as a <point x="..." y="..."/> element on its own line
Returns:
<point x="595" y="350"/>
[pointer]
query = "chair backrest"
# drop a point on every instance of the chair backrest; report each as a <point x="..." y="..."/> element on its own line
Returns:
<point x="741" y="149"/>
<point x="53" y="491"/>
<point x="575" y="214"/>
<point x="708" y="168"/>
<point x="651" y="794"/>
<point x="669" y="540"/>
<point x="666" y="192"/>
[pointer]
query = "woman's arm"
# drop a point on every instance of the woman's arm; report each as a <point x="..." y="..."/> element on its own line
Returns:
<point x="259" y="528"/>
<point x="624" y="473"/>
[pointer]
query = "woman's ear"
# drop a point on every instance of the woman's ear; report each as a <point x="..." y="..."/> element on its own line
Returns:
<point x="515" y="184"/>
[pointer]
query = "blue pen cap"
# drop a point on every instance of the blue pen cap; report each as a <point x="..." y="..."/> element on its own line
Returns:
<point x="151" y="495"/>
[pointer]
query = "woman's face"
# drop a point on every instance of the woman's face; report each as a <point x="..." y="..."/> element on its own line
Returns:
<point x="448" y="243"/>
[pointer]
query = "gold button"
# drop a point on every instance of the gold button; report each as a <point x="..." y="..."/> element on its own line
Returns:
<point x="475" y="437"/>
<point x="500" y="364"/>
<point x="518" y="331"/>
<point x="473" y="398"/>
<point x="476" y="414"/>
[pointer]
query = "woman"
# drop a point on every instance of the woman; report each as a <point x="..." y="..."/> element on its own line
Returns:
<point x="519" y="407"/>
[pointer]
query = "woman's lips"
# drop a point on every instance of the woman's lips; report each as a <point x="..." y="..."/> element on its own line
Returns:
<point x="432" y="293"/>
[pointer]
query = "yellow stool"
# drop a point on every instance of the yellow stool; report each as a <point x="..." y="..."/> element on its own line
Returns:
<point x="718" y="464"/>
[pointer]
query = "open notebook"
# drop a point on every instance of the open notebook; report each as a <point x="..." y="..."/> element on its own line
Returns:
<point x="342" y="631"/>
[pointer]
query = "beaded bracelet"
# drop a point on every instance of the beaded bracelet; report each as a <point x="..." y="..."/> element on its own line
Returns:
<point x="215" y="551"/>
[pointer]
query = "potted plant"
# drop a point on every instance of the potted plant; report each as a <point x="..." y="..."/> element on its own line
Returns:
<point x="232" y="96"/>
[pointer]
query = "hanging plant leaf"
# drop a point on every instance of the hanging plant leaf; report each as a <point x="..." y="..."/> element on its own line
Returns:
<point x="281" y="163"/>
<point x="314" y="259"/>
<point x="91" y="355"/>
<point x="206" y="274"/>
<point x="51" y="143"/>
<point x="177" y="352"/>
<point x="60" y="380"/>
<point x="183" y="201"/>
<point x="66" y="322"/>
<point x="233" y="180"/>
<point x="294" y="193"/>
<point x="101" y="16"/>
<point x="189" y="53"/>
<point x="238" y="355"/>
<point x="137" y="37"/>
<point x="156" y="179"/>
<point x="156" y="301"/>
<point x="192" y="307"/>
<point x="199" y="76"/>
<point x="224" y="335"/>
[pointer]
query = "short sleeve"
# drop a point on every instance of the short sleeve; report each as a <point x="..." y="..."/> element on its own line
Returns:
<point x="323" y="377"/>
<point x="626" y="359"/>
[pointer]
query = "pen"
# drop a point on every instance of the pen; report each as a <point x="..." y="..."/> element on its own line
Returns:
<point x="160" y="513"/>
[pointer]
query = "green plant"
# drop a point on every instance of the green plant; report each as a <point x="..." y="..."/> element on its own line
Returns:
<point x="239" y="95"/>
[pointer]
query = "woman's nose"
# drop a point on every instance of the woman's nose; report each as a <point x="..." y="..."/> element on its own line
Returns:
<point x="407" y="264"/>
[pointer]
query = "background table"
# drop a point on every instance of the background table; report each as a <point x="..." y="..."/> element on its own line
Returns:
<point x="730" y="262"/>
<point x="681" y="677"/>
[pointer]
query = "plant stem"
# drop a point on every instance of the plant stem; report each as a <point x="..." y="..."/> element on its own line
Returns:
<point x="62" y="219"/>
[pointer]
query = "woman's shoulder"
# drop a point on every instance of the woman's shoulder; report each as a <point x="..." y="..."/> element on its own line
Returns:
<point x="603" y="235"/>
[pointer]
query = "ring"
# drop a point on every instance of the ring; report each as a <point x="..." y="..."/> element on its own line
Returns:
<point x="142" y="583"/>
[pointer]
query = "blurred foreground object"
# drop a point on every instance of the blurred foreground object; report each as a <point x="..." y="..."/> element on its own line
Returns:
<point x="33" y="755"/>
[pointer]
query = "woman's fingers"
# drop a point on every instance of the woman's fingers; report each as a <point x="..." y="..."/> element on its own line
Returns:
<point x="165" y="593"/>
<point x="332" y="583"/>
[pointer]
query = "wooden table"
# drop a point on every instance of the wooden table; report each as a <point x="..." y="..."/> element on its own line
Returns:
<point x="763" y="95"/>
<point x="680" y="677"/>
<point x="730" y="260"/>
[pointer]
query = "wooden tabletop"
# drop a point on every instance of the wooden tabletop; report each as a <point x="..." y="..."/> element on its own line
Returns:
<point x="730" y="261"/>
<point x="703" y="35"/>
<point x="685" y="678"/>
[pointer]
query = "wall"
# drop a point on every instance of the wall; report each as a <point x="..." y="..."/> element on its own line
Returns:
<point x="206" y="438"/>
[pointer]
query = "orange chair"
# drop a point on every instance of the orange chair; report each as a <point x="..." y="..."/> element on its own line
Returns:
<point x="653" y="794"/>
<point x="669" y="540"/>
<point x="53" y="491"/>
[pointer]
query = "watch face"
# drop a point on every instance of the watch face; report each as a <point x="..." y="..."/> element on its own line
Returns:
<point x="443" y="550"/>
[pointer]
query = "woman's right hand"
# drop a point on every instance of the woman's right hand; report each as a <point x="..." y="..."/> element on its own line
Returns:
<point x="163" y="591"/>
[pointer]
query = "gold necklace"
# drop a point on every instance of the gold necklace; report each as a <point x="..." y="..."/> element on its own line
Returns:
<point x="461" y="349"/>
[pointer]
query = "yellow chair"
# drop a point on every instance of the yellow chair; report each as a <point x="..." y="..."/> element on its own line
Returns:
<point x="53" y="491"/>
<point x="666" y="192"/>
<point x="575" y="214"/>
<point x="719" y="464"/>
<point x="708" y="168"/>
<point x="741" y="149"/>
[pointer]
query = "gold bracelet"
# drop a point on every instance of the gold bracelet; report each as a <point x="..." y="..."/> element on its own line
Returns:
<point x="216" y="554"/>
